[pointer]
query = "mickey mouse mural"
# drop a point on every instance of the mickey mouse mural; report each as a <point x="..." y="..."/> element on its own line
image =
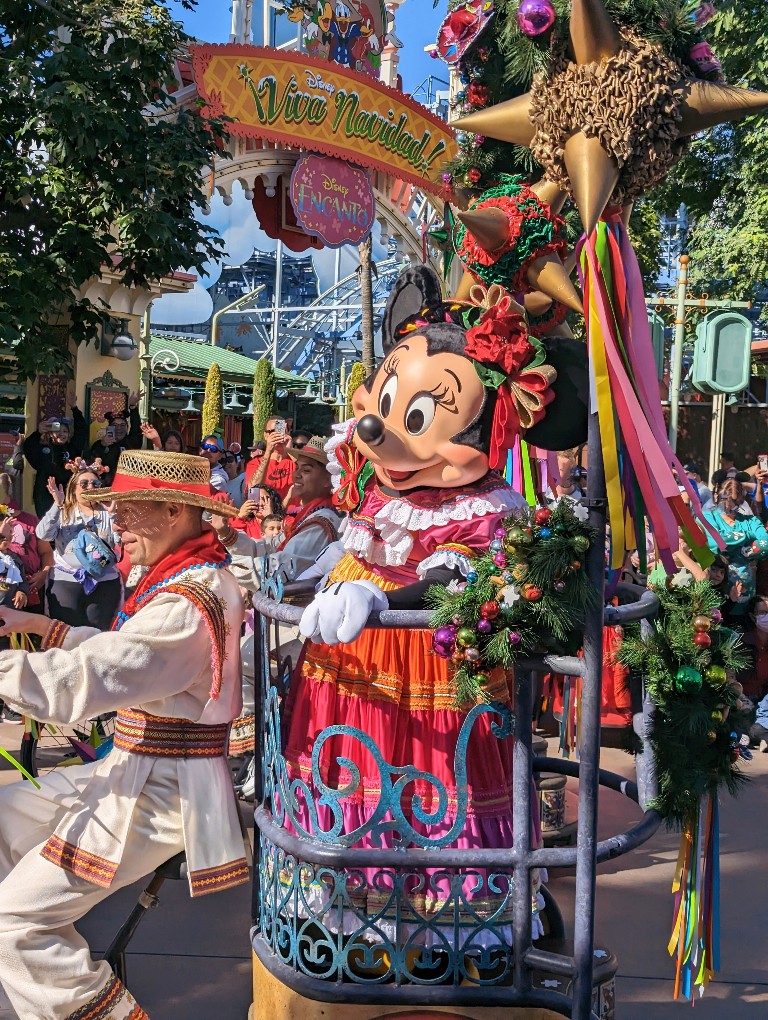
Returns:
<point x="416" y="469"/>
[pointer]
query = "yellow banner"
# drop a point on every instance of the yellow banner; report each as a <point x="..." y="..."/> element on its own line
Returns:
<point x="305" y="102"/>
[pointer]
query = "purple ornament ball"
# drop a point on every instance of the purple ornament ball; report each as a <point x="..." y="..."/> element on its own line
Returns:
<point x="499" y="533"/>
<point x="515" y="638"/>
<point x="443" y="651"/>
<point x="447" y="178"/>
<point x="500" y="560"/>
<point x="445" y="636"/>
<point x="535" y="17"/>
<point x="484" y="626"/>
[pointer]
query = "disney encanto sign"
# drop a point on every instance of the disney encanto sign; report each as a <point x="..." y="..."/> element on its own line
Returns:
<point x="332" y="199"/>
<point x="305" y="102"/>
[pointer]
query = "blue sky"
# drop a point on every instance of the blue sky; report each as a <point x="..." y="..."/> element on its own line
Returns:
<point x="417" y="24"/>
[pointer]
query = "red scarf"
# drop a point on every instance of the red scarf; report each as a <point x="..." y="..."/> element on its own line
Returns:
<point x="206" y="548"/>
<point x="290" y="527"/>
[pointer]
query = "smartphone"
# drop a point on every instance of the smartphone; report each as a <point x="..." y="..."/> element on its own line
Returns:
<point x="280" y="426"/>
<point x="762" y="462"/>
<point x="109" y="433"/>
<point x="55" y="426"/>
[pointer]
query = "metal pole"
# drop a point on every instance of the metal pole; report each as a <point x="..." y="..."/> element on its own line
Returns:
<point x="145" y="404"/>
<point x="717" y="431"/>
<point x="586" y="846"/>
<point x="522" y="773"/>
<point x="276" y="302"/>
<point x="677" y="351"/>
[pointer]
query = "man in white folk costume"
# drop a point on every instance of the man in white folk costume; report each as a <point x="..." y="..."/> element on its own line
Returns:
<point x="170" y="668"/>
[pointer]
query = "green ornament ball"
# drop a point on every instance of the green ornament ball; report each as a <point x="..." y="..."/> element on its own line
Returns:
<point x="688" y="678"/>
<point x="515" y="536"/>
<point x="466" y="637"/>
<point x="716" y="673"/>
<point x="717" y="716"/>
<point x="581" y="542"/>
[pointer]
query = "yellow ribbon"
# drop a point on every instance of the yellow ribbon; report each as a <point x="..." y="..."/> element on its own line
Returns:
<point x="606" y="420"/>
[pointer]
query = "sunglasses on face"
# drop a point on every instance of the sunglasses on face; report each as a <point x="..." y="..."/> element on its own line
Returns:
<point x="299" y="445"/>
<point x="210" y="449"/>
<point x="89" y="485"/>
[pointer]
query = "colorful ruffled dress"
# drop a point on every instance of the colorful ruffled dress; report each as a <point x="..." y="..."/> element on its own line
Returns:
<point x="391" y="686"/>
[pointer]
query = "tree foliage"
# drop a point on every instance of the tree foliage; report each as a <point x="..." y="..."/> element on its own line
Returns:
<point x="264" y="396"/>
<point x="98" y="166"/>
<point x="723" y="179"/>
<point x="357" y="376"/>
<point x="213" y="404"/>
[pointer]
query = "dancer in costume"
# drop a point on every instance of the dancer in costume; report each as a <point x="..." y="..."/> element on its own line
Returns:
<point x="171" y="669"/>
<point x="416" y="470"/>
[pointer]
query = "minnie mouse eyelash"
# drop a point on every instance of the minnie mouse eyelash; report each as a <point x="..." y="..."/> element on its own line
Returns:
<point x="445" y="398"/>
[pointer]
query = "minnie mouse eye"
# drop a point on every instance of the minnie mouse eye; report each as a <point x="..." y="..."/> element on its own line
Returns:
<point x="387" y="396"/>
<point x="420" y="414"/>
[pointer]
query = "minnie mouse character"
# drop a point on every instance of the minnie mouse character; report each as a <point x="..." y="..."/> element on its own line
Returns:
<point x="416" y="469"/>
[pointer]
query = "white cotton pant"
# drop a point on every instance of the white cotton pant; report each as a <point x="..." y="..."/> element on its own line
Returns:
<point x="45" y="964"/>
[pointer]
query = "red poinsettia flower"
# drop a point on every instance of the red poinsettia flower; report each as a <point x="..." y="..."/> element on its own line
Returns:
<point x="500" y="338"/>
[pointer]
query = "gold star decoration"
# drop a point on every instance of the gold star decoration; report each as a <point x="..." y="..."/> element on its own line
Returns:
<point x="592" y="173"/>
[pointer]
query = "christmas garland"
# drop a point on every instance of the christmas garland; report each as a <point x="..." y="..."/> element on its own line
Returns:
<point x="528" y="593"/>
<point x="687" y="661"/>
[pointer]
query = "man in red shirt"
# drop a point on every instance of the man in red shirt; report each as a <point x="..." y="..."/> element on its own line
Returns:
<point x="275" y="468"/>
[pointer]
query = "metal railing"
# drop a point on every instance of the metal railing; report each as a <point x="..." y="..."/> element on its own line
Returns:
<point x="314" y="927"/>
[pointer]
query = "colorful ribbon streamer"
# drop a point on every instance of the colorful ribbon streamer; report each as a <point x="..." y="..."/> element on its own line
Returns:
<point x="695" y="936"/>
<point x="643" y="474"/>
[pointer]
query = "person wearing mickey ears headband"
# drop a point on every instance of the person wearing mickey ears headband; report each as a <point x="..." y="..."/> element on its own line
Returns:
<point x="84" y="588"/>
<point x="417" y="472"/>
<point x="49" y="449"/>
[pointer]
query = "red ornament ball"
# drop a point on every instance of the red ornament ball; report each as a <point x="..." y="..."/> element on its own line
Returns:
<point x="543" y="515"/>
<point x="490" y="610"/>
<point x="702" y="638"/>
<point x="474" y="175"/>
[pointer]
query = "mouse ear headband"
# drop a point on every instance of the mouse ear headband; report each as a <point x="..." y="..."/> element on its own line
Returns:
<point x="509" y="362"/>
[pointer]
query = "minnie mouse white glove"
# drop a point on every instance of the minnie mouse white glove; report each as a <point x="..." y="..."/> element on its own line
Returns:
<point x="338" y="615"/>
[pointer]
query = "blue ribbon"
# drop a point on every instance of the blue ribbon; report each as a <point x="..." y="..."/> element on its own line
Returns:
<point x="84" y="578"/>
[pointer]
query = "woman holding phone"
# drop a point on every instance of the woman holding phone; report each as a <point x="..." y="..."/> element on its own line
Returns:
<point x="275" y="467"/>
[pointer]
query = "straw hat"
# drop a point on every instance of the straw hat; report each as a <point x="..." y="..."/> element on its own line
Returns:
<point x="167" y="477"/>
<point x="313" y="450"/>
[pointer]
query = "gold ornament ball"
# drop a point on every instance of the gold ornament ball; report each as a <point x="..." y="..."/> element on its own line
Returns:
<point x="702" y="623"/>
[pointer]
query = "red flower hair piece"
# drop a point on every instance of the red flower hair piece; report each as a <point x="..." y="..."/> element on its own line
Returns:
<point x="500" y="341"/>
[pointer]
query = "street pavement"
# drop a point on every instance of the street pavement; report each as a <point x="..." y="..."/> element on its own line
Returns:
<point x="190" y="959"/>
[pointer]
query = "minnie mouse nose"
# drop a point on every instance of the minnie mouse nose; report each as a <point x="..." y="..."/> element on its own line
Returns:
<point x="371" y="430"/>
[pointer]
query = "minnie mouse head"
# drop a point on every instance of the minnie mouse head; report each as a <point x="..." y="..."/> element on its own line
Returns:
<point x="459" y="381"/>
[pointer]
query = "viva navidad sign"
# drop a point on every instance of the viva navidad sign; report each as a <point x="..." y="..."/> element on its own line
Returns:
<point x="302" y="101"/>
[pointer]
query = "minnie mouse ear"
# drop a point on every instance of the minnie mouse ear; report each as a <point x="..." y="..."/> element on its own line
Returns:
<point x="565" y="423"/>
<point x="415" y="288"/>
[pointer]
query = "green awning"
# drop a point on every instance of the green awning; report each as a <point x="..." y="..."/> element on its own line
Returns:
<point x="194" y="360"/>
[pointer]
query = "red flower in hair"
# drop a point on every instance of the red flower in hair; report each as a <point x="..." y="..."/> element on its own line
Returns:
<point x="500" y="338"/>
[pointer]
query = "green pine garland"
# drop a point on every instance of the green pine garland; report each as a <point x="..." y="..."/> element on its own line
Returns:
<point x="535" y="597"/>
<point x="695" y="746"/>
